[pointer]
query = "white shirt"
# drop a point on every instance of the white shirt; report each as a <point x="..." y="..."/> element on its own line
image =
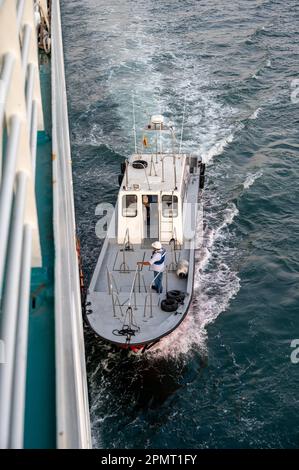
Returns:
<point x="157" y="267"/>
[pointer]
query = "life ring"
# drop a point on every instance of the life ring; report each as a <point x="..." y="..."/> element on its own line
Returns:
<point x="139" y="164"/>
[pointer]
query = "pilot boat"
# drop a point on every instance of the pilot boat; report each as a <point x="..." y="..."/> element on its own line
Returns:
<point x="157" y="206"/>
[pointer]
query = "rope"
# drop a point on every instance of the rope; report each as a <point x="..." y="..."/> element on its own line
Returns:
<point x="127" y="330"/>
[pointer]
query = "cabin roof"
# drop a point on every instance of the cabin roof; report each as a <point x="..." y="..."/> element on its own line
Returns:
<point x="150" y="179"/>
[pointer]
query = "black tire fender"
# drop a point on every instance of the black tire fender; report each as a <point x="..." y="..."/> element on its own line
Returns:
<point x="176" y="295"/>
<point x="169" y="305"/>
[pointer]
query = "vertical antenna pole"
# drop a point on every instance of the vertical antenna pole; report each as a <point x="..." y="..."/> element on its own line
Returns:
<point x="134" y="126"/>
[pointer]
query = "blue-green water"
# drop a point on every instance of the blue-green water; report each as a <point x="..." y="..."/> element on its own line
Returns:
<point x="224" y="378"/>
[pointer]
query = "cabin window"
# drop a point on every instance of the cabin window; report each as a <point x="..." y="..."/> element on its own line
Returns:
<point x="169" y="205"/>
<point x="129" y="205"/>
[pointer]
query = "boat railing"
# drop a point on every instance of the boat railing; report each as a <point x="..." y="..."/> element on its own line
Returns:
<point x="114" y="292"/>
<point x="126" y="246"/>
<point x="149" y="298"/>
<point x="173" y="241"/>
<point x="137" y="283"/>
<point x="111" y="281"/>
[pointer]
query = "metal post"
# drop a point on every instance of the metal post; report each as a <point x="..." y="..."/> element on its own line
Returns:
<point x="29" y="90"/>
<point x="123" y="266"/>
<point x="151" y="304"/>
<point x="20" y="10"/>
<point x="127" y="176"/>
<point x="10" y="307"/>
<point x="7" y="68"/>
<point x="6" y="189"/>
<point x="146" y="176"/>
<point x="20" y="369"/>
<point x="33" y="137"/>
<point x="166" y="278"/>
<point x="174" y="169"/>
<point x="113" y="304"/>
<point x="25" y="46"/>
<point x="109" y="282"/>
<point x="134" y="290"/>
<point x="138" y="274"/>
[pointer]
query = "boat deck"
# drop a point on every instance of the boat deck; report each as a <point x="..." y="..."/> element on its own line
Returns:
<point x="109" y="304"/>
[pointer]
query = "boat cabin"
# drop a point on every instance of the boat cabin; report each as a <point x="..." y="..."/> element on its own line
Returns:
<point x="152" y="192"/>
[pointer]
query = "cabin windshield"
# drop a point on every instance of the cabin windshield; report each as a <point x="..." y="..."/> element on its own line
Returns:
<point x="129" y="205"/>
<point x="169" y="205"/>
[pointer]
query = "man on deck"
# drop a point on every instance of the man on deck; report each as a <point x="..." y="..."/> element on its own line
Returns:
<point x="157" y="262"/>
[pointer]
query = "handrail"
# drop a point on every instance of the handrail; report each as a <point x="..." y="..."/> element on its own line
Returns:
<point x="123" y="266"/>
<point x="7" y="69"/>
<point x="20" y="10"/>
<point x="149" y="294"/>
<point x="147" y="180"/>
<point x="72" y="410"/>
<point x="20" y="247"/>
<point x="9" y="318"/>
<point x="173" y="241"/>
<point x="22" y="337"/>
<point x="133" y="286"/>
<point x="25" y="47"/>
<point x="152" y="165"/>
<point x="111" y="280"/>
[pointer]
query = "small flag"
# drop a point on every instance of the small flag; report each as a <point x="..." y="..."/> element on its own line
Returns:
<point x="144" y="141"/>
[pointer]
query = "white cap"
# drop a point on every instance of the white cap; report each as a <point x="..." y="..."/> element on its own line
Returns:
<point x="157" y="245"/>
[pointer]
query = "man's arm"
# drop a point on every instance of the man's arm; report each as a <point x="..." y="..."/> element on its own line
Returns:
<point x="155" y="257"/>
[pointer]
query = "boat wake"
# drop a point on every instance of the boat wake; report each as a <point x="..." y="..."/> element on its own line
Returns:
<point x="215" y="285"/>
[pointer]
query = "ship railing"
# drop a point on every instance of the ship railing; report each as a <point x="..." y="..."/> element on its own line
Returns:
<point x="20" y="118"/>
<point x="72" y="409"/>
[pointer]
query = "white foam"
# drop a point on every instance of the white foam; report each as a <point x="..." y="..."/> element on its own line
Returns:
<point x="213" y="290"/>
<point x="255" y="114"/>
<point x="250" y="179"/>
<point x="217" y="148"/>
